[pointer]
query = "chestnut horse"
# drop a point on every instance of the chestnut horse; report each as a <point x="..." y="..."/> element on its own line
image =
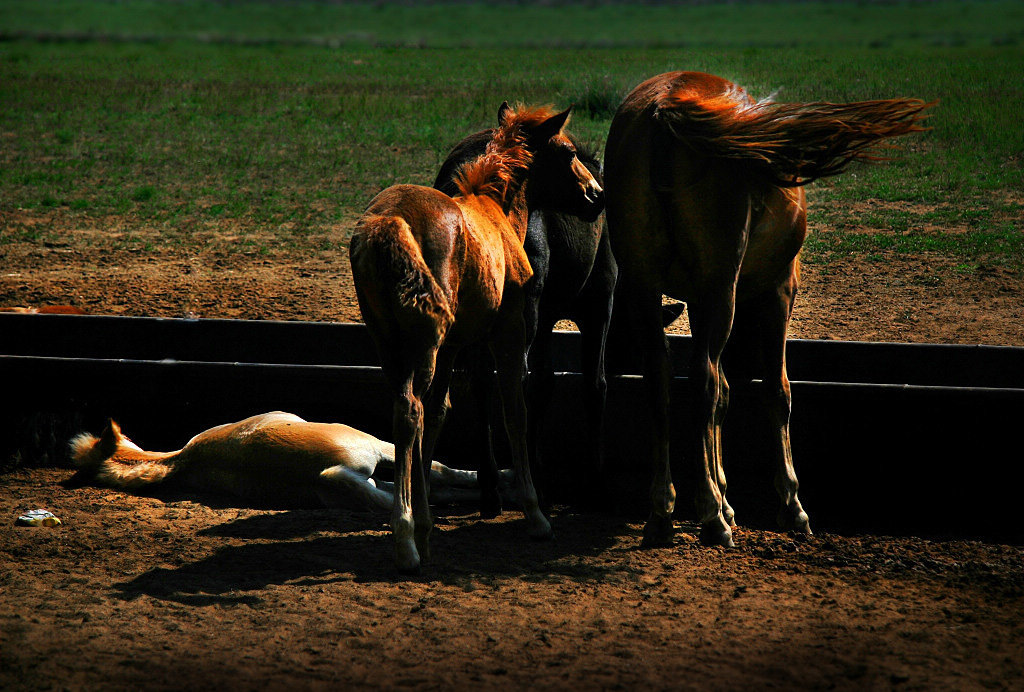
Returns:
<point x="434" y="274"/>
<point x="705" y="205"/>
<point x="274" y="459"/>
<point x="574" y="276"/>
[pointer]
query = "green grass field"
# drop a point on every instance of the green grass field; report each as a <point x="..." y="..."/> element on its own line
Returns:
<point x="290" y="116"/>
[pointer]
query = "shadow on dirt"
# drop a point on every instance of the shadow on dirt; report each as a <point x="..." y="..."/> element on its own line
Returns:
<point x="361" y="551"/>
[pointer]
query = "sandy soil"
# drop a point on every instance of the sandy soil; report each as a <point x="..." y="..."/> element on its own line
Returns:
<point x="196" y="593"/>
<point x="139" y="592"/>
<point x="892" y="297"/>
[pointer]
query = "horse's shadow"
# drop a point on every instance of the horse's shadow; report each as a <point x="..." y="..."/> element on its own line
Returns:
<point x="361" y="551"/>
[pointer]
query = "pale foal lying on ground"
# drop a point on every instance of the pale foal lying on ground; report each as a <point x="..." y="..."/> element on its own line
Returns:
<point x="274" y="459"/>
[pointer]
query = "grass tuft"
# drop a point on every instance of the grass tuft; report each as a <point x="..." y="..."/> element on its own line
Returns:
<point x="598" y="99"/>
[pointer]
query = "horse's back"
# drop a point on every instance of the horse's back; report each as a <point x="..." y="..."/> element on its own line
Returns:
<point x="496" y="261"/>
<point x="677" y="212"/>
<point x="275" y="458"/>
<point x="434" y="219"/>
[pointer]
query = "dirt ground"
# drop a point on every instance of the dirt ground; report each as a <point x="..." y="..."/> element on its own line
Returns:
<point x="102" y="269"/>
<point x="197" y="593"/>
<point x="139" y="592"/>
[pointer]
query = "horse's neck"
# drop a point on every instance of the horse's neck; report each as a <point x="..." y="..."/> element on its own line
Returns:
<point x="130" y="454"/>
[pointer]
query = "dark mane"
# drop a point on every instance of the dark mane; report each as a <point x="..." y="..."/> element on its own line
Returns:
<point x="504" y="156"/>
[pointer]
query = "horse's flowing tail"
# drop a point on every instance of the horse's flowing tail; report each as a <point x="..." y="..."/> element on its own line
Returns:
<point x="115" y="461"/>
<point x="787" y="144"/>
<point x="385" y="250"/>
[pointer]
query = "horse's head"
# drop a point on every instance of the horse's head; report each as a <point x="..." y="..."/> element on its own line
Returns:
<point x="559" y="179"/>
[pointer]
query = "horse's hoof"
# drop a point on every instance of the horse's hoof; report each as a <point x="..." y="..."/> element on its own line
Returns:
<point x="800" y="522"/>
<point x="730" y="517"/>
<point x="490" y="506"/>
<point x="410" y="570"/>
<point x="539" y="528"/>
<point x="717" y="533"/>
<point x="803" y="524"/>
<point x="659" y="532"/>
<point x="407" y="558"/>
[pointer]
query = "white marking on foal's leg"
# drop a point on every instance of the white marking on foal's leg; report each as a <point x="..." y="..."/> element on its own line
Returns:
<point x="341" y="487"/>
<point x="441" y="475"/>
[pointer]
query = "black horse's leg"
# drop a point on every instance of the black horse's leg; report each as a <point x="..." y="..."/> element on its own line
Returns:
<point x="484" y="392"/>
<point x="539" y="389"/>
<point x="593" y="322"/>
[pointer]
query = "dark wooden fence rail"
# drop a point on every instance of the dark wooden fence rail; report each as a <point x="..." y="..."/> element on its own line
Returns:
<point x="325" y="343"/>
<point x="891" y="438"/>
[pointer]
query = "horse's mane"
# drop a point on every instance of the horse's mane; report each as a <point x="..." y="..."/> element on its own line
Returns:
<point x="474" y="146"/>
<point x="506" y="155"/>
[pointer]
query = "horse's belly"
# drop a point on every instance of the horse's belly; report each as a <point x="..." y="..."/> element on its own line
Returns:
<point x="276" y="484"/>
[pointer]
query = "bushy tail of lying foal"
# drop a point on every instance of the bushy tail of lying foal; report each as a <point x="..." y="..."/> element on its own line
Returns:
<point x="788" y="144"/>
<point x="386" y="260"/>
<point x="114" y="460"/>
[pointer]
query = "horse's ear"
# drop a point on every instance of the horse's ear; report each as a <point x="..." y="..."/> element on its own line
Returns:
<point x="552" y="126"/>
<point x="107" y="444"/>
<point x="504" y="110"/>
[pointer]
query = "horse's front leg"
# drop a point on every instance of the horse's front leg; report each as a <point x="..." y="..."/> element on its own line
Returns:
<point x="438" y="405"/>
<point x="489" y="435"/>
<point x="510" y="358"/>
<point x="539" y="390"/>
<point x="594" y="337"/>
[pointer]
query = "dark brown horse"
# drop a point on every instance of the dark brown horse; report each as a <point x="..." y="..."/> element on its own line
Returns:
<point x="705" y="204"/>
<point x="574" y="276"/>
<point x="434" y="274"/>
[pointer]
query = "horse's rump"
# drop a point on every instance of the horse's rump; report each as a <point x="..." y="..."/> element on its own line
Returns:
<point x="384" y="247"/>
<point x="784" y="144"/>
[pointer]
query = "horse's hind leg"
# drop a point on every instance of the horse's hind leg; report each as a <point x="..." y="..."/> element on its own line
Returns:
<point x="510" y="358"/>
<point x="775" y="317"/>
<point x="342" y="488"/>
<point x="646" y="309"/>
<point x="722" y="407"/>
<point x="711" y="321"/>
<point x="410" y="517"/>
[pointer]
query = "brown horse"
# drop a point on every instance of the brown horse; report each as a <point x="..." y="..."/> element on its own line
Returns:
<point x="574" y="276"/>
<point x="434" y="274"/>
<point x="705" y="204"/>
